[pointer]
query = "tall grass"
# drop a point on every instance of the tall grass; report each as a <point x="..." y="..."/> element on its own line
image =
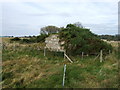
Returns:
<point x="26" y="67"/>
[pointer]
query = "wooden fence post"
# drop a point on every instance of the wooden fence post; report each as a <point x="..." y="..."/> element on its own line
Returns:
<point x="82" y="55"/>
<point x="109" y="51"/>
<point x="101" y="56"/>
<point x="96" y="56"/>
<point x="68" y="58"/>
<point x="64" y="75"/>
<point x="44" y="51"/>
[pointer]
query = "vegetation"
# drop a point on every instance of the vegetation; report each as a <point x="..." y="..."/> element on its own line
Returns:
<point x="50" y="30"/>
<point x="15" y="39"/>
<point x="78" y="40"/>
<point x="78" y="24"/>
<point x="110" y="37"/>
<point x="24" y="66"/>
<point x="34" y="39"/>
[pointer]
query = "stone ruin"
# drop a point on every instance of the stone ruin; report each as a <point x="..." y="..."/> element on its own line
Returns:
<point x="53" y="44"/>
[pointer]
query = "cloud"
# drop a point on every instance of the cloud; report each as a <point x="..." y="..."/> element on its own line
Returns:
<point x="31" y="16"/>
<point x="108" y="28"/>
<point x="59" y="1"/>
<point x="20" y="30"/>
<point x="63" y="14"/>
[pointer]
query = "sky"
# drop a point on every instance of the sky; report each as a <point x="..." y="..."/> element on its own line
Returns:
<point x="24" y="18"/>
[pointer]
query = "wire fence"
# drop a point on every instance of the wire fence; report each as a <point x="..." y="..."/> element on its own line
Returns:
<point x="47" y="52"/>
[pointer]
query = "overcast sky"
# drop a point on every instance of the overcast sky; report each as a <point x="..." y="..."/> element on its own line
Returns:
<point x="26" y="18"/>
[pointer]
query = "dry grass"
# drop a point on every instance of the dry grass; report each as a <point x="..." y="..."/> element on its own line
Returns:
<point x="25" y="66"/>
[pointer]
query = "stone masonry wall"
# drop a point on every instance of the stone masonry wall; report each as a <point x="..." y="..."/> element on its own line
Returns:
<point x="52" y="43"/>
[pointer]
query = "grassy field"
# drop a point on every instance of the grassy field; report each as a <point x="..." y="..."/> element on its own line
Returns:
<point x="25" y="66"/>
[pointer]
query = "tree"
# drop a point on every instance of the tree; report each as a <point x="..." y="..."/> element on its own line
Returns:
<point x="49" y="30"/>
<point x="78" y="24"/>
<point x="78" y="40"/>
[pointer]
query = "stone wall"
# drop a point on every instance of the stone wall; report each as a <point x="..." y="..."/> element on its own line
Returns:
<point x="53" y="44"/>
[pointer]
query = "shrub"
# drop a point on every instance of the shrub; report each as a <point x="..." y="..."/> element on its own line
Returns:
<point x="25" y="41"/>
<point x="35" y="39"/>
<point x="15" y="39"/>
<point x="41" y="38"/>
<point x="78" y="40"/>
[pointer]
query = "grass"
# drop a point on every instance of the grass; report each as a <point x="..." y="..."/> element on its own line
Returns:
<point x="26" y="67"/>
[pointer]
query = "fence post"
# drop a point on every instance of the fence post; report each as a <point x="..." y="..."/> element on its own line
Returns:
<point x="96" y="56"/>
<point x="64" y="75"/>
<point x="109" y="51"/>
<point x="68" y="58"/>
<point x="101" y="56"/>
<point x="44" y="51"/>
<point x="82" y="55"/>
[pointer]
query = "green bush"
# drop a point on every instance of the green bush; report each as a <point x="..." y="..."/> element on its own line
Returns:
<point x="110" y="37"/>
<point x="41" y="38"/>
<point x="25" y="41"/>
<point x="78" y="40"/>
<point x="15" y="39"/>
<point x="35" y="39"/>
